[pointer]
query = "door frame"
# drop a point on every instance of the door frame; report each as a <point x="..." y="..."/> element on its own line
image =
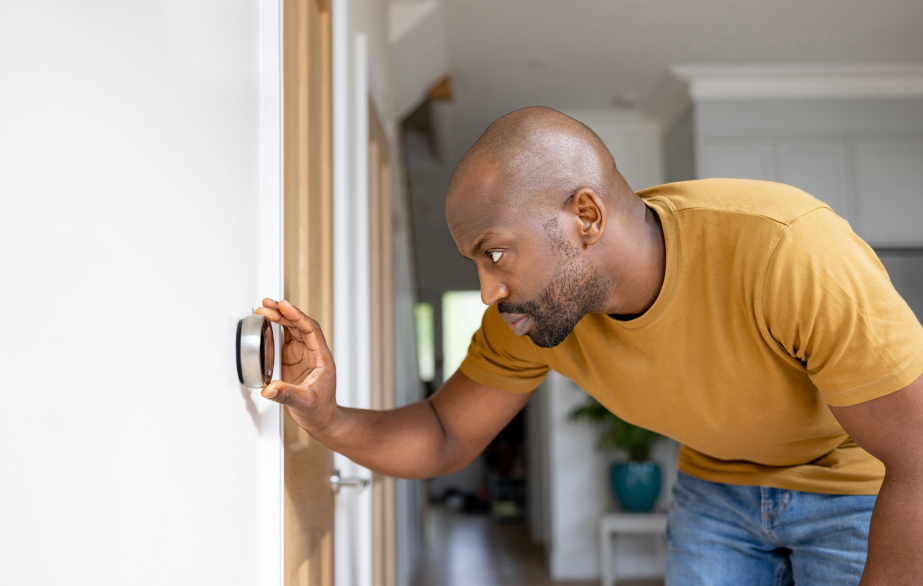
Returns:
<point x="309" y="503"/>
<point x="271" y="492"/>
<point x="381" y="322"/>
<point x="352" y="90"/>
<point x="351" y="82"/>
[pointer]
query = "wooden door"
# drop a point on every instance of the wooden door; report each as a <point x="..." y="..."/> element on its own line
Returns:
<point x="381" y="284"/>
<point x="308" y="266"/>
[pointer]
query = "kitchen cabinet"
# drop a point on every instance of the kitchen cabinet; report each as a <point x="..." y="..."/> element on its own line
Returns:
<point x="864" y="158"/>
<point x="738" y="159"/>
<point x="905" y="268"/>
<point x="820" y="168"/>
<point x="889" y="186"/>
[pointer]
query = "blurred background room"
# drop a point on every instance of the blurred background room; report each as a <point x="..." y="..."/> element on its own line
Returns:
<point x="820" y="95"/>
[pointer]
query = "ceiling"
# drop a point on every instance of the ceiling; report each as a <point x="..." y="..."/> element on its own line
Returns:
<point x="611" y="54"/>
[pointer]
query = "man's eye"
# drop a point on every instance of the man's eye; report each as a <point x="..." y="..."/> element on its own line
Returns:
<point x="495" y="255"/>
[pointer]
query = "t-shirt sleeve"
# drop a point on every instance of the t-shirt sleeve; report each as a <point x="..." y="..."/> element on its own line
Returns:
<point x="500" y="359"/>
<point x="828" y="303"/>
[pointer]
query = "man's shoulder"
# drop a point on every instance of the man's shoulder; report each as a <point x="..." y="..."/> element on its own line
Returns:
<point x="775" y="201"/>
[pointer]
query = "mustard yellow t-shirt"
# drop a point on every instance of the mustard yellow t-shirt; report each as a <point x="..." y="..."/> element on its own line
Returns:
<point x="771" y="309"/>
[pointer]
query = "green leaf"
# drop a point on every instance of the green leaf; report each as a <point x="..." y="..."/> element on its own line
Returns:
<point x="615" y="433"/>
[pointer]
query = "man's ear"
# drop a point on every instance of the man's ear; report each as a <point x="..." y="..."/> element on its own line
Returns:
<point x="589" y="213"/>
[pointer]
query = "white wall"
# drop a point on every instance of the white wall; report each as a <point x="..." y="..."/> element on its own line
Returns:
<point x="417" y="40"/>
<point x="129" y="248"/>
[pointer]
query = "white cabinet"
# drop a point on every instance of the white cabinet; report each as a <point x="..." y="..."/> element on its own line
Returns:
<point x="864" y="158"/>
<point x="905" y="267"/>
<point x="737" y="159"/>
<point x="889" y="186"/>
<point x="819" y="168"/>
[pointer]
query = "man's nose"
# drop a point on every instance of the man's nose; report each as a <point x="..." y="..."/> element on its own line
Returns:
<point x="492" y="288"/>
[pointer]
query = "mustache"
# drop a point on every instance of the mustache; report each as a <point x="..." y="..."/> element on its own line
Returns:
<point x="525" y="307"/>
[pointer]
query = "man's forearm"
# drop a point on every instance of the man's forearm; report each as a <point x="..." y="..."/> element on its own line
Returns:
<point x="895" y="555"/>
<point x="409" y="442"/>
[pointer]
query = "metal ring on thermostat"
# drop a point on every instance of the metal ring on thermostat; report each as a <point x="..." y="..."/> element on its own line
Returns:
<point x="255" y="351"/>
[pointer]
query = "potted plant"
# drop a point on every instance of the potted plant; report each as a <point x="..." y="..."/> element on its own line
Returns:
<point x="636" y="484"/>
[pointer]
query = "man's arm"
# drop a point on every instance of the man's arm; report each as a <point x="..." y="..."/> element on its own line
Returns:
<point x="430" y="438"/>
<point x="433" y="437"/>
<point x="891" y="429"/>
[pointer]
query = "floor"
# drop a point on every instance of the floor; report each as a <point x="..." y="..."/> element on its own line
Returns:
<point x="472" y="550"/>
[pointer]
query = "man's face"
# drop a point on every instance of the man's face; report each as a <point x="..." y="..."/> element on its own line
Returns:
<point x="528" y="265"/>
<point x="573" y="290"/>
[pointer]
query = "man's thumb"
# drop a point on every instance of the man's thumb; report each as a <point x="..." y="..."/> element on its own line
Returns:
<point x="281" y="392"/>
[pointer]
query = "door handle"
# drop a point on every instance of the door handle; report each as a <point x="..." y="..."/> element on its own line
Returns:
<point x="336" y="481"/>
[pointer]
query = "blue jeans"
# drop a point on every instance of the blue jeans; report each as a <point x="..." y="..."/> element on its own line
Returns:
<point x="734" y="535"/>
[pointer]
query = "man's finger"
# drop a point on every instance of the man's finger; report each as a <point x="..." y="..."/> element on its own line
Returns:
<point x="270" y="303"/>
<point x="274" y="316"/>
<point x="296" y="316"/>
<point x="313" y="336"/>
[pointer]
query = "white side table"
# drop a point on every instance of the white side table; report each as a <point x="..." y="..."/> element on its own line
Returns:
<point x="614" y="523"/>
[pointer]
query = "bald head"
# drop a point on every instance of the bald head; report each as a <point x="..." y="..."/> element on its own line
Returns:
<point x="530" y="204"/>
<point x="534" y="156"/>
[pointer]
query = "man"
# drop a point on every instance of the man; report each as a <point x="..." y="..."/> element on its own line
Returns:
<point x="742" y="318"/>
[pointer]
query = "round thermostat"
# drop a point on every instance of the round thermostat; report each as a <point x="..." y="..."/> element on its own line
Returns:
<point x="256" y="351"/>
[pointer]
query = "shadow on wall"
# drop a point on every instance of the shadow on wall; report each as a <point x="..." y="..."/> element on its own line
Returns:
<point x="252" y="410"/>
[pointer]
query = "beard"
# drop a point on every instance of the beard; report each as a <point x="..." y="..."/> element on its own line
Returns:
<point x="575" y="290"/>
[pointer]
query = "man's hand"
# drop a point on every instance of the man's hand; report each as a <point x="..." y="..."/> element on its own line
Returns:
<point x="308" y="385"/>
<point x="433" y="437"/>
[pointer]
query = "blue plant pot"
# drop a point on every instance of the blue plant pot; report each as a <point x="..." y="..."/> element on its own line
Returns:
<point x="636" y="485"/>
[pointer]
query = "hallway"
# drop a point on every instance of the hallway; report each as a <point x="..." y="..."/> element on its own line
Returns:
<point x="473" y="550"/>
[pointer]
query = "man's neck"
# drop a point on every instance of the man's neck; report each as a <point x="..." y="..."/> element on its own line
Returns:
<point x="641" y="266"/>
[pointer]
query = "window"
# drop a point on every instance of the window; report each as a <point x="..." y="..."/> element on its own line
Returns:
<point x="462" y="312"/>
<point x="426" y="341"/>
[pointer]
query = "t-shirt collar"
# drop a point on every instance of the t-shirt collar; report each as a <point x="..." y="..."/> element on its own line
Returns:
<point x="667" y="214"/>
